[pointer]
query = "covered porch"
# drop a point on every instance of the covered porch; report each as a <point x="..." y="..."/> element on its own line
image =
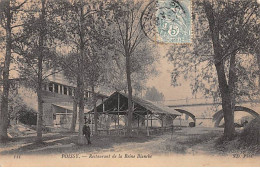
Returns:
<point x="148" y="117"/>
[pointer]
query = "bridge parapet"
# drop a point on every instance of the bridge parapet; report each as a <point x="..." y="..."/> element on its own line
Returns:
<point x="198" y="102"/>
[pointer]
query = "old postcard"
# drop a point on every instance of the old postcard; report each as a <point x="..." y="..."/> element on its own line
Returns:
<point x="126" y="83"/>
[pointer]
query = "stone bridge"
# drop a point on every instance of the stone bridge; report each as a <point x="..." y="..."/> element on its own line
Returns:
<point x="206" y="112"/>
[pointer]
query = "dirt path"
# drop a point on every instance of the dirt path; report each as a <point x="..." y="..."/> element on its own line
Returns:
<point x="186" y="141"/>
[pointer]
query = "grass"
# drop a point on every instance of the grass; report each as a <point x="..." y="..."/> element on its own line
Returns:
<point x="184" y="142"/>
<point x="246" y="141"/>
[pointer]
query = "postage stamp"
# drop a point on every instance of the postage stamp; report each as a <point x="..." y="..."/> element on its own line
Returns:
<point x="173" y="19"/>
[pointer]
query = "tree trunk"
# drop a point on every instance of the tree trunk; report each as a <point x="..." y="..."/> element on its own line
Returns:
<point x="40" y="61"/>
<point x="232" y="82"/>
<point x="80" y="85"/>
<point x="74" y="116"/>
<point x="40" y="114"/>
<point x="130" y="95"/>
<point x="81" y="77"/>
<point x="226" y="96"/>
<point x="228" y="112"/>
<point x="229" y="120"/>
<point x="4" y="102"/>
<point x="95" y="109"/>
<point x="75" y="110"/>
<point x="81" y="110"/>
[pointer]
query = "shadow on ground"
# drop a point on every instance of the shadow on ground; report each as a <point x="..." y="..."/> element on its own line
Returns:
<point x="67" y="143"/>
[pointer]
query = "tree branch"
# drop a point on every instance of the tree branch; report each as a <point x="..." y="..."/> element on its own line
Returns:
<point x="14" y="8"/>
<point x="120" y="30"/>
<point x="15" y="26"/>
<point x="44" y="77"/>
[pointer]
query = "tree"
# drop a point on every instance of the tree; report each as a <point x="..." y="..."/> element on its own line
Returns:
<point x="130" y="41"/>
<point x="36" y="45"/>
<point x="95" y="76"/>
<point x="81" y="34"/>
<point x="222" y="32"/>
<point x="153" y="94"/>
<point x="8" y="19"/>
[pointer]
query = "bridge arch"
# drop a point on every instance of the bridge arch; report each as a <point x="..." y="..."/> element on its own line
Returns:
<point x="218" y="116"/>
<point x="187" y="113"/>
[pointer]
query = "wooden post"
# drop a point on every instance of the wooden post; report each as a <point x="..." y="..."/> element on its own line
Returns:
<point x="107" y="128"/>
<point x="103" y="113"/>
<point x="115" y="122"/>
<point x="180" y="121"/>
<point x="133" y="105"/>
<point x="118" y="123"/>
<point x="138" y="120"/>
<point x="162" y="124"/>
<point x="103" y="109"/>
<point x="100" y="121"/>
<point x="118" y="109"/>
<point x="151" y="120"/>
<point x="92" y="125"/>
<point x="162" y="120"/>
<point x="147" y="125"/>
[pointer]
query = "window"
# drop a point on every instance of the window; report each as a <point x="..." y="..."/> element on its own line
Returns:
<point x="70" y="91"/>
<point x="87" y="95"/>
<point x="56" y="88"/>
<point x="65" y="90"/>
<point x="60" y="89"/>
<point x="50" y="87"/>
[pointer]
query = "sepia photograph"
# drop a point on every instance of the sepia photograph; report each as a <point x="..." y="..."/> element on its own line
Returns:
<point x="129" y="83"/>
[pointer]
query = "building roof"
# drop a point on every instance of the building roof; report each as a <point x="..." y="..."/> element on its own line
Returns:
<point x="141" y="106"/>
<point x="68" y="107"/>
<point x="155" y="108"/>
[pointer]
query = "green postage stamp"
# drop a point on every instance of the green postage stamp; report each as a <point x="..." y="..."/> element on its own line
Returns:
<point x="173" y="19"/>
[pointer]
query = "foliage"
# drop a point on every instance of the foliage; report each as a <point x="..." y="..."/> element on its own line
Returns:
<point x="129" y="39"/>
<point x="251" y="133"/>
<point x="246" y="142"/>
<point x="27" y="43"/>
<point x="27" y="116"/>
<point x="236" y="21"/>
<point x="10" y="13"/>
<point x="153" y="94"/>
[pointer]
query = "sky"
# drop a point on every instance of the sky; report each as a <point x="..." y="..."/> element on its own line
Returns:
<point x="162" y="82"/>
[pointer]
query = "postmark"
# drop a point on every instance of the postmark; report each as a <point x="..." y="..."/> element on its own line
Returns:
<point x="173" y="21"/>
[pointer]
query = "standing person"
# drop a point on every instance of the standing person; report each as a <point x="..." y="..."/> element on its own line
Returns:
<point x="86" y="132"/>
